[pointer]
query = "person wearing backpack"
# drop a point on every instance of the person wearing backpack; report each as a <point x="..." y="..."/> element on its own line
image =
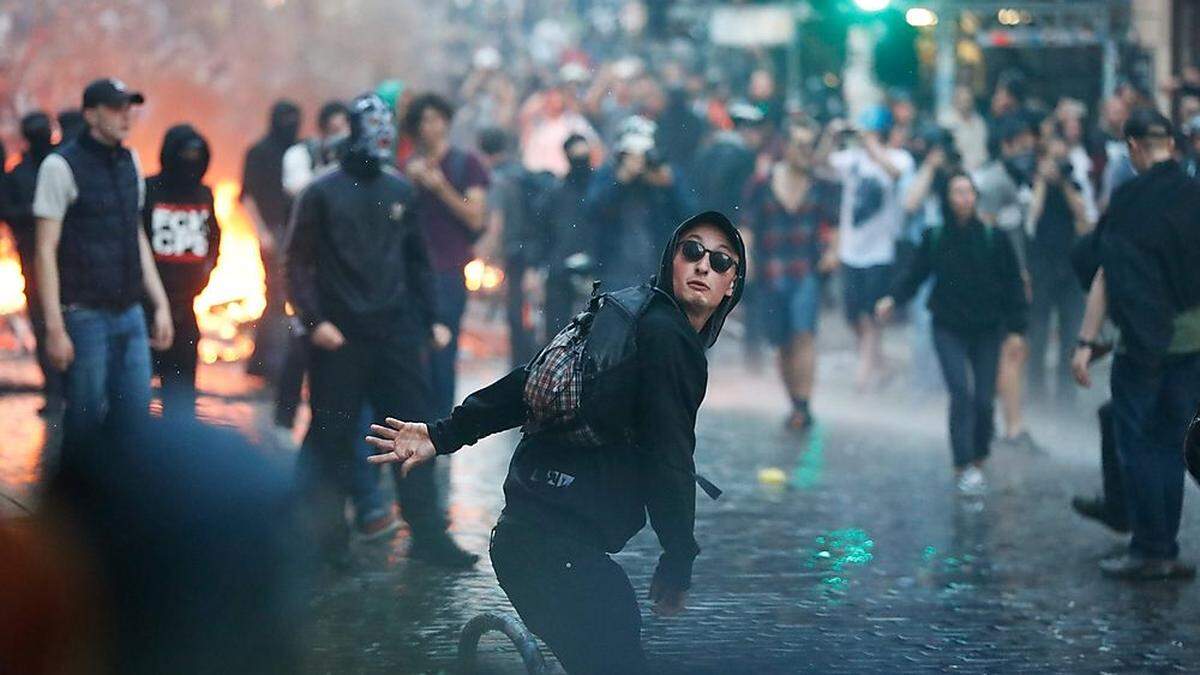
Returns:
<point x="608" y="411"/>
<point x="978" y="299"/>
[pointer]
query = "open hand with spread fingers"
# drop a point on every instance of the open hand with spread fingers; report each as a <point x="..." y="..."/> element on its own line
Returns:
<point x="404" y="442"/>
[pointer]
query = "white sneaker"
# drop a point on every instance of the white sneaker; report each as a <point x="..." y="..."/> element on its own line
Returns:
<point x="971" y="482"/>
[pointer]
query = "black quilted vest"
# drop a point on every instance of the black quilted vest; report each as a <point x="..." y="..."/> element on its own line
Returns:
<point x="98" y="262"/>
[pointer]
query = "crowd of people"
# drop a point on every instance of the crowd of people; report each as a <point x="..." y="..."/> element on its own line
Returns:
<point x="1013" y="228"/>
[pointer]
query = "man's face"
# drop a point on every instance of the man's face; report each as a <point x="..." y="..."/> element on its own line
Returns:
<point x="1021" y="143"/>
<point x="433" y="126"/>
<point x="799" y="148"/>
<point x="112" y="123"/>
<point x="699" y="288"/>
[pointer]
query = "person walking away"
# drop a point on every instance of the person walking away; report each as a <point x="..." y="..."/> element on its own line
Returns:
<point x="977" y="299"/>
<point x="20" y="186"/>
<point x="452" y="189"/>
<point x="577" y="490"/>
<point x="94" y="263"/>
<point x="181" y="224"/>
<point x="361" y="281"/>
<point x="268" y="205"/>
<point x="1149" y="241"/>
<point x="791" y="219"/>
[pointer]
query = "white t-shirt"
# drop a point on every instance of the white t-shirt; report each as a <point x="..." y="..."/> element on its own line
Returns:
<point x="56" y="188"/>
<point x="872" y="212"/>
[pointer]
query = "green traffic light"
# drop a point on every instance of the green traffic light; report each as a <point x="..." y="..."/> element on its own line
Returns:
<point x="872" y="5"/>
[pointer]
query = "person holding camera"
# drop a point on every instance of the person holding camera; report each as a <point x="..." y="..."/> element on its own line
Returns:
<point x="870" y="221"/>
<point x="978" y="299"/>
<point x="631" y="199"/>
<point x="1058" y="215"/>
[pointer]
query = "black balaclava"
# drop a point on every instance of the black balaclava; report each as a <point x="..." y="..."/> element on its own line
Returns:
<point x="665" y="279"/>
<point x="580" y="168"/>
<point x="372" y="136"/>
<point x="177" y="170"/>
<point x="35" y="128"/>
<point x="285" y="123"/>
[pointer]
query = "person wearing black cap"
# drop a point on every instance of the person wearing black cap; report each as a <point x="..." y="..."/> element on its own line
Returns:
<point x="95" y="265"/>
<point x="19" y="188"/>
<point x="578" y="490"/>
<point x="1148" y="242"/>
<point x="181" y="222"/>
<point x="70" y="124"/>
<point x="360" y="277"/>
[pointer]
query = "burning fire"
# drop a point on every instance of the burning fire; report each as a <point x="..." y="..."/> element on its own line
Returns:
<point x="235" y="295"/>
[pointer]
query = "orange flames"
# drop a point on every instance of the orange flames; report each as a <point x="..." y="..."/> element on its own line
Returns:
<point x="235" y="295"/>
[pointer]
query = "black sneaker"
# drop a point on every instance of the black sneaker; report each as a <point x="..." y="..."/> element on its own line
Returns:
<point x="1134" y="568"/>
<point x="442" y="551"/>
<point x="1094" y="508"/>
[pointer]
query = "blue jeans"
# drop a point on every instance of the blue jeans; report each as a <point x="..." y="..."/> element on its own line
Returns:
<point x="1151" y="411"/>
<point x="370" y="501"/>
<point x="451" y="303"/>
<point x="111" y="371"/>
<point x="969" y="365"/>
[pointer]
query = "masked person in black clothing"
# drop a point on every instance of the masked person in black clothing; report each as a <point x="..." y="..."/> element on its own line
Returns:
<point x="570" y="503"/>
<point x="19" y="187"/>
<point x="70" y="124"/>
<point x="568" y="246"/>
<point x="181" y="222"/>
<point x="268" y="204"/>
<point x="978" y="299"/>
<point x="360" y="278"/>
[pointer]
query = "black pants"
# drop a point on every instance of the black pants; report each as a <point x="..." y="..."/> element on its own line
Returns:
<point x="271" y="332"/>
<point x="969" y="364"/>
<point x="1055" y="293"/>
<point x="291" y="378"/>
<point x="520" y="338"/>
<point x="571" y="595"/>
<point x="26" y="252"/>
<point x="393" y="377"/>
<point x="1110" y="467"/>
<point x="176" y="367"/>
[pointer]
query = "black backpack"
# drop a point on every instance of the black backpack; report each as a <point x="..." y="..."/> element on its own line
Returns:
<point x="577" y="387"/>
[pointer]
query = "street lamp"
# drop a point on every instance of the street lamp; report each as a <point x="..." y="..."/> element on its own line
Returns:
<point x="872" y="5"/>
<point x="921" y="17"/>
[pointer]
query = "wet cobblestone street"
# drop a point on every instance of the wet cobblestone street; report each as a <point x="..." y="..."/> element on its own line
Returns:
<point x="862" y="559"/>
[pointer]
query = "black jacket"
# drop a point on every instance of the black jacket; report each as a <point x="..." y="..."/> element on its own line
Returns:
<point x="1148" y="242"/>
<point x="356" y="256"/>
<point x="604" y="494"/>
<point x="19" y="187"/>
<point x="180" y="219"/>
<point x="977" y="282"/>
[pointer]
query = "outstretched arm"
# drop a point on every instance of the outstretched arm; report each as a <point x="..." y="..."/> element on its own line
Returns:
<point x="495" y="408"/>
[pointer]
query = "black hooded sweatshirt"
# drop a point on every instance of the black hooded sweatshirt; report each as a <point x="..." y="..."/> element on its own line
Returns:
<point x="602" y="495"/>
<point x="180" y="218"/>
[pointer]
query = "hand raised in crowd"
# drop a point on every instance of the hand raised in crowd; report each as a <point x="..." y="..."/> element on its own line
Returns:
<point x="59" y="349"/>
<point x="162" y="332"/>
<point x="404" y="442"/>
<point x="327" y="336"/>
<point x="441" y="336"/>
<point x="829" y="263"/>
<point x="667" y="601"/>
<point x="884" y="309"/>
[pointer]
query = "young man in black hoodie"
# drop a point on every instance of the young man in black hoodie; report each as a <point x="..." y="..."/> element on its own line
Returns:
<point x="19" y="187"/>
<point x="360" y="278"/>
<point x="568" y="504"/>
<point x="181" y="223"/>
